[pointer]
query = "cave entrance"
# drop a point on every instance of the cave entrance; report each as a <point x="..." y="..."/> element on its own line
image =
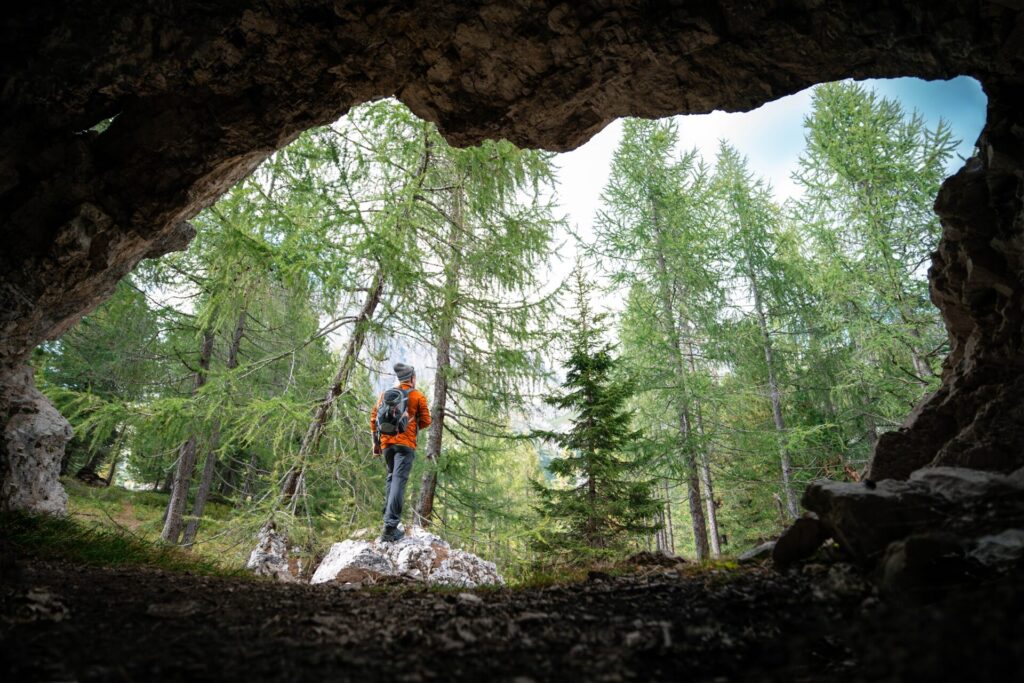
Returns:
<point x="853" y="341"/>
<point x="122" y="121"/>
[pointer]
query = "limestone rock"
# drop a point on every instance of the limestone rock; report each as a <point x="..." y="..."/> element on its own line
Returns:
<point x="924" y="561"/>
<point x="999" y="551"/>
<point x="31" y="446"/>
<point x="270" y="557"/>
<point x="420" y="556"/>
<point x="940" y="559"/>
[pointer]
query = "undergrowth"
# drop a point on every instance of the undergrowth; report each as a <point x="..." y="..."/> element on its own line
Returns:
<point x="116" y="527"/>
<point x="224" y="537"/>
<point x="63" y="538"/>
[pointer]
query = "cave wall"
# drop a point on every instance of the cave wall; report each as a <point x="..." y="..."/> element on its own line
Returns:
<point x="197" y="94"/>
<point x="976" y="418"/>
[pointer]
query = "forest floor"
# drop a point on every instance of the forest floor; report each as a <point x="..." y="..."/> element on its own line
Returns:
<point x="64" y="621"/>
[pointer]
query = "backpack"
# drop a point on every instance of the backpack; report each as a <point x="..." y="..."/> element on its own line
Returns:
<point x="393" y="412"/>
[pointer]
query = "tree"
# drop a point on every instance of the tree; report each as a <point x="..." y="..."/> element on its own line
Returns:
<point x="113" y="355"/>
<point x="751" y="221"/>
<point x="870" y="174"/>
<point x="608" y="497"/>
<point x="654" y="229"/>
<point x="483" y="229"/>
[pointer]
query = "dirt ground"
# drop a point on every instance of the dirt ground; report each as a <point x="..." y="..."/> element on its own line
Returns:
<point x="60" y="622"/>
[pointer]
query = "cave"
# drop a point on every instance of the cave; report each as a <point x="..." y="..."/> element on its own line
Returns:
<point x="122" y="120"/>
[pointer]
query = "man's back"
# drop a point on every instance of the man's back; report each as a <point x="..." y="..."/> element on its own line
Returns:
<point x="419" y="418"/>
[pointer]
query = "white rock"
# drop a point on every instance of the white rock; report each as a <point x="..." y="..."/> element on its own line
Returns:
<point x="270" y="556"/>
<point x="353" y="555"/>
<point x="419" y="556"/>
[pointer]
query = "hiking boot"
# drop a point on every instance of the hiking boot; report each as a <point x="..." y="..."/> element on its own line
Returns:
<point x="391" y="534"/>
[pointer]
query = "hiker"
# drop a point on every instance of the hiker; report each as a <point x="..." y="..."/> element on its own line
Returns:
<point x="395" y="420"/>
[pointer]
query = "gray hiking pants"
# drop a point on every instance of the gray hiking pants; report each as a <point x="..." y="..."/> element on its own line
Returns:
<point x="398" y="460"/>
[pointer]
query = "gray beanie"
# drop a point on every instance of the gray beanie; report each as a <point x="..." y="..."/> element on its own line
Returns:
<point x="404" y="372"/>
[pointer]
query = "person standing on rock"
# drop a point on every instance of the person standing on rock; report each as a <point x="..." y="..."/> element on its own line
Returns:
<point x="395" y="420"/>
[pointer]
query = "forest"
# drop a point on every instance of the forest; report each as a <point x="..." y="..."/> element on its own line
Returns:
<point x="668" y="378"/>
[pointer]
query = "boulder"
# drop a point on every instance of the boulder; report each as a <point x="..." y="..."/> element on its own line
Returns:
<point x="968" y="504"/>
<point x="270" y="557"/>
<point x="934" y="561"/>
<point x="799" y="541"/>
<point x="999" y="551"/>
<point x="923" y="562"/>
<point x="420" y="556"/>
<point x="32" y="439"/>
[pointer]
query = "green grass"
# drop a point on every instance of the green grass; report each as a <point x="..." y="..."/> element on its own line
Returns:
<point x="224" y="538"/>
<point x="121" y="528"/>
<point x="65" y="538"/>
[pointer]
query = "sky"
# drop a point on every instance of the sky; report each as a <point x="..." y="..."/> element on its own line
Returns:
<point x="771" y="136"/>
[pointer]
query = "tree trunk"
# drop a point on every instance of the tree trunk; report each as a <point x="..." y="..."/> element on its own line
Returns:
<point x="921" y="366"/>
<point x="186" y="455"/>
<point x="322" y="413"/>
<point x="705" y="471"/>
<point x="592" y="538"/>
<point x="179" y="491"/>
<point x="661" y="535"/>
<point x="425" y="504"/>
<point x="229" y="476"/>
<point x="776" y="398"/>
<point x="199" y="504"/>
<point x="89" y="472"/>
<point x="250" y="478"/>
<point x="472" y="503"/>
<point x="700" y="532"/>
<point x="668" y="516"/>
<point x="709" y="505"/>
<point x="870" y="424"/>
<point x="113" y="465"/>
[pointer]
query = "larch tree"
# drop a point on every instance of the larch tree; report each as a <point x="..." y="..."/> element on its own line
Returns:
<point x="870" y="173"/>
<point x="484" y="225"/>
<point x="750" y="219"/>
<point x="653" y="228"/>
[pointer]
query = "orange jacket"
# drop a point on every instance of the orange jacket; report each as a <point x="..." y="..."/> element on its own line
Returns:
<point x="419" y="418"/>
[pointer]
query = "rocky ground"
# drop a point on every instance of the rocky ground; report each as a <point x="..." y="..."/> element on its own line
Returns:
<point x="814" y="622"/>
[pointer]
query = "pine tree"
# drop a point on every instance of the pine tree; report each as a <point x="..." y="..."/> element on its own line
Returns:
<point x="608" y="498"/>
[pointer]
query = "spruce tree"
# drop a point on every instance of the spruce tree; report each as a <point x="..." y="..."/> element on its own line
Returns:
<point x="607" y="498"/>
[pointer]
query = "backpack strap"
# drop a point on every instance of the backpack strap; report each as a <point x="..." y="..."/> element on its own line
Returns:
<point x="415" y="418"/>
